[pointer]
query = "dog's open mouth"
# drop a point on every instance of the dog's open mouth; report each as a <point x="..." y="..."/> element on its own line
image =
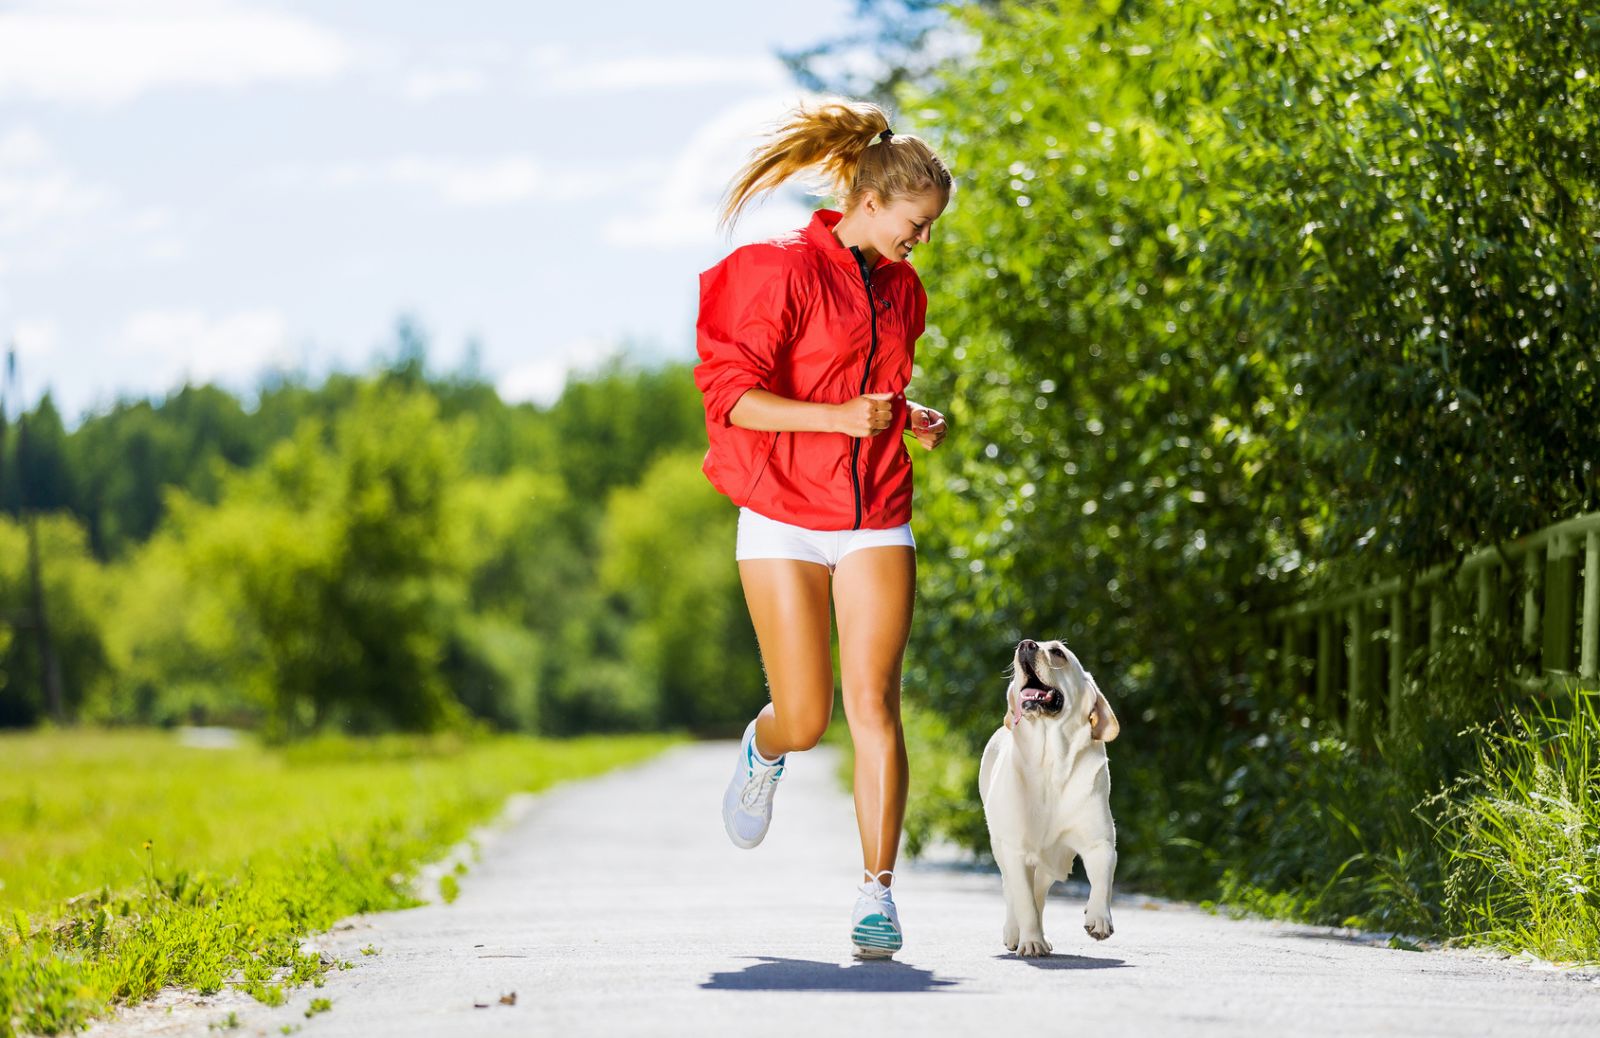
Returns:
<point x="1036" y="695"/>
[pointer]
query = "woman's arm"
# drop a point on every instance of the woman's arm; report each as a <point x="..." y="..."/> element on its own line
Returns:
<point x="762" y="409"/>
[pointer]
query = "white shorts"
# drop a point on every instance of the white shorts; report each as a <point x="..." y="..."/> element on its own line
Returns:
<point x="763" y="538"/>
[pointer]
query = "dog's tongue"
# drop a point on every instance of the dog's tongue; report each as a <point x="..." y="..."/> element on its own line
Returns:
<point x="1035" y="695"/>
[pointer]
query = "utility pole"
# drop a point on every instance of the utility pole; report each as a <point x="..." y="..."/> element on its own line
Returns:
<point x="49" y="665"/>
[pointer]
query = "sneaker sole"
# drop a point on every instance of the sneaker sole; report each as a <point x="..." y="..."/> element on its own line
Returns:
<point x="875" y="938"/>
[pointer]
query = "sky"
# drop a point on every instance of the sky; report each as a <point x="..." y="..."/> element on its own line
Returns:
<point x="207" y="190"/>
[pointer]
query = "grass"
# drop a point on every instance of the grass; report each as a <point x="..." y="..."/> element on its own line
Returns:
<point x="130" y="862"/>
<point x="1522" y="836"/>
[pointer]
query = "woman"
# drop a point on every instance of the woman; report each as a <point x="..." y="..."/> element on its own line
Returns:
<point x="805" y="344"/>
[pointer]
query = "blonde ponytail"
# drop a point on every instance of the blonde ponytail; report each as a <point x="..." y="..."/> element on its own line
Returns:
<point x="845" y="142"/>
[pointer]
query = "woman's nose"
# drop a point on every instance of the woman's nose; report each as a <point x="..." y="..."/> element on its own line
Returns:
<point x="926" y="235"/>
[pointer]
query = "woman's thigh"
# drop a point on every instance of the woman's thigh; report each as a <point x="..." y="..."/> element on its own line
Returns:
<point x="788" y="602"/>
<point x="873" y="592"/>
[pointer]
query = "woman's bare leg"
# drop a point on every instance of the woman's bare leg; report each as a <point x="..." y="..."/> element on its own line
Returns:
<point x="873" y="589"/>
<point x="788" y="601"/>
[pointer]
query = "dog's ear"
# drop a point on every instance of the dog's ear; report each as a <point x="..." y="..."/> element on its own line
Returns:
<point x="1013" y="705"/>
<point x="1102" y="722"/>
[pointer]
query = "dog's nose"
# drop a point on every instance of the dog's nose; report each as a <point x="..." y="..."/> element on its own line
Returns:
<point x="1027" y="645"/>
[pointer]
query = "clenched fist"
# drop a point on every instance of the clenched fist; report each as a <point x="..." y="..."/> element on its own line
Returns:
<point x="866" y="415"/>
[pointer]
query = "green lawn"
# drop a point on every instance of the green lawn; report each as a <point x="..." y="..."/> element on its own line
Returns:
<point x="129" y="861"/>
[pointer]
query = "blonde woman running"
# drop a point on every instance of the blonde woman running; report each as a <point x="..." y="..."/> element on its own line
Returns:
<point x="805" y="344"/>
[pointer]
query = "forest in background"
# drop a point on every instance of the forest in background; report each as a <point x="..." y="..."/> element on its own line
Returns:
<point x="1235" y="302"/>
<point x="391" y="550"/>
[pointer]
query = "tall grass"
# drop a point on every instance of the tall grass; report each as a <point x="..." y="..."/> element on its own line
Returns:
<point x="1522" y="835"/>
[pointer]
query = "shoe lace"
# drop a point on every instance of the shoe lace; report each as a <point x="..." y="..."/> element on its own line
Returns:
<point x="875" y="889"/>
<point x="758" y="788"/>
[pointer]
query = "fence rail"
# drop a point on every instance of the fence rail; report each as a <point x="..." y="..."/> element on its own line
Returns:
<point x="1358" y="643"/>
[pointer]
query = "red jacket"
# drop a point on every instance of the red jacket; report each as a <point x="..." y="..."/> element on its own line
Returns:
<point x="800" y="316"/>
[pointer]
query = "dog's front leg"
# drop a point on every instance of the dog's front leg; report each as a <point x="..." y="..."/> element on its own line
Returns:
<point x="1099" y="863"/>
<point x="1024" y="931"/>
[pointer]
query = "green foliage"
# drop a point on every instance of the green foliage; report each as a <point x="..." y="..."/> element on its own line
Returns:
<point x="73" y="588"/>
<point x="395" y="550"/>
<point x="513" y="540"/>
<point x="141" y="863"/>
<point x="612" y="424"/>
<point x="1236" y="301"/>
<point x="38" y="476"/>
<point x="667" y="560"/>
<point x="1522" y="834"/>
<point x="332" y="568"/>
<point x="120" y="463"/>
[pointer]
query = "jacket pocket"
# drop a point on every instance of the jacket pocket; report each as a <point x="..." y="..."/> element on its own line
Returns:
<point x="759" y="464"/>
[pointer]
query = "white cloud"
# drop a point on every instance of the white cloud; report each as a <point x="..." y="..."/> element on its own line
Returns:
<point x="432" y="84"/>
<point x="683" y="209"/>
<point x="36" y="189"/>
<point x="460" y="181"/>
<point x="35" y="337"/>
<point x="109" y="52"/>
<point x="557" y="71"/>
<point x="50" y="214"/>
<point x="541" y="381"/>
<point x="186" y="343"/>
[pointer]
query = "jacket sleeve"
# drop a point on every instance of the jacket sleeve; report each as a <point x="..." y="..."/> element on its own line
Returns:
<point x="747" y="315"/>
<point x="919" y="311"/>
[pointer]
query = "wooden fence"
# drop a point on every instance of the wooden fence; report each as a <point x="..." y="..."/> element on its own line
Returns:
<point x="1357" y="646"/>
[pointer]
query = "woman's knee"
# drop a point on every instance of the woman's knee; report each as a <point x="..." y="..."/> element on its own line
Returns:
<point x="802" y="729"/>
<point x="875" y="710"/>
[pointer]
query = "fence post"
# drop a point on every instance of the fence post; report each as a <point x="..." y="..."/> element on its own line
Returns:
<point x="1532" y="568"/>
<point x="1397" y="655"/>
<point x="1325" y="663"/>
<point x="1357" y="693"/>
<point x="1560" y="587"/>
<point x="1589" y="668"/>
<point x="1286" y="658"/>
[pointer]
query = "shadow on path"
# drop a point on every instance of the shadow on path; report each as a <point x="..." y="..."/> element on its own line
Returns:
<point x="1056" y="961"/>
<point x="770" y="974"/>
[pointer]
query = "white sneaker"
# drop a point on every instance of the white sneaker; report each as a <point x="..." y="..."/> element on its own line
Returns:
<point x="875" y="924"/>
<point x="747" y="805"/>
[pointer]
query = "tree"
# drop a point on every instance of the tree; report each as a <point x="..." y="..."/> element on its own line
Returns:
<point x="667" y="558"/>
<point x="333" y="560"/>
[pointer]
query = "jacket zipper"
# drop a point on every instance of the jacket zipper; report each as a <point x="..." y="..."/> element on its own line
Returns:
<point x="872" y="348"/>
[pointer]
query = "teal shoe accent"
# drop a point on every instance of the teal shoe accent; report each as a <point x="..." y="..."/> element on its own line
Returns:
<point x="876" y="932"/>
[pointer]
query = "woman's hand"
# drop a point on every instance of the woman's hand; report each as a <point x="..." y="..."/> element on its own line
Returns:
<point x="926" y="424"/>
<point x="866" y="415"/>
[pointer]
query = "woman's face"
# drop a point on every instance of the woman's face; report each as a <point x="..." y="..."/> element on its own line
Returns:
<point x="897" y="228"/>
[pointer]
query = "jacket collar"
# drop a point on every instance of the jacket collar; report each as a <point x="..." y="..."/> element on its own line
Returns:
<point x="820" y="233"/>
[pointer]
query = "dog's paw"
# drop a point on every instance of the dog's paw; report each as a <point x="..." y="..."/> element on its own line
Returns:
<point x="1097" y="925"/>
<point x="1009" y="935"/>
<point x="1028" y="947"/>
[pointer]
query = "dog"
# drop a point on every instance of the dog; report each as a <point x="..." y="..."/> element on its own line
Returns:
<point x="1046" y="791"/>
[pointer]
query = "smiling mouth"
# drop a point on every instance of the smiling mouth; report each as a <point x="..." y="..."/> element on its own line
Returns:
<point x="1036" y="695"/>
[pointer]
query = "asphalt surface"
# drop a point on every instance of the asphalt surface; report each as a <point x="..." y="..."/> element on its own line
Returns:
<point x="618" y="906"/>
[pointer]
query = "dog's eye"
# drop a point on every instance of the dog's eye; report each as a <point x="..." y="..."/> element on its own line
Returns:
<point x="1057" y="654"/>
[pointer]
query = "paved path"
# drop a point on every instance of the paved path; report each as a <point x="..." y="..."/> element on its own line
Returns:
<point x="618" y="906"/>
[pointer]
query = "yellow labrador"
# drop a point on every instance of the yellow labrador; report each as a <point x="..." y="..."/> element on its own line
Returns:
<point x="1046" y="790"/>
